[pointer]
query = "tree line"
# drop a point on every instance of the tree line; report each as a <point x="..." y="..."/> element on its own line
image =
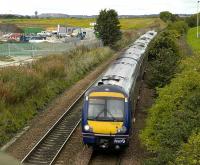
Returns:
<point x="172" y="131"/>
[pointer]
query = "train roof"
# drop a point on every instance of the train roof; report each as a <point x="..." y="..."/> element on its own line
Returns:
<point x="125" y="69"/>
<point x="118" y="73"/>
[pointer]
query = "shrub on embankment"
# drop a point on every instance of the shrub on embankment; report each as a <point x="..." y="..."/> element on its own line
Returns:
<point x="172" y="128"/>
<point x="163" y="54"/>
<point x="173" y="117"/>
<point x="163" y="58"/>
<point x="26" y="90"/>
<point x="190" y="152"/>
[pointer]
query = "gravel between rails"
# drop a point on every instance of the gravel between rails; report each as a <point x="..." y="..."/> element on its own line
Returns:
<point x="105" y="158"/>
<point x="41" y="123"/>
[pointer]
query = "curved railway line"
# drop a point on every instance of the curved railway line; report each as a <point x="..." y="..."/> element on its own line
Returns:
<point x="51" y="144"/>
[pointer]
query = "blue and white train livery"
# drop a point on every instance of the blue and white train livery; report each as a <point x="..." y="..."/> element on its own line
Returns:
<point x="109" y="105"/>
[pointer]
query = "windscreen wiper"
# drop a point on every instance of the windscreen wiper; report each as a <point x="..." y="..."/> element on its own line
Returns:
<point x="113" y="118"/>
<point x="99" y="114"/>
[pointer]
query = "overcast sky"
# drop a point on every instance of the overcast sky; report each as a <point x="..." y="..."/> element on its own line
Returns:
<point x="92" y="7"/>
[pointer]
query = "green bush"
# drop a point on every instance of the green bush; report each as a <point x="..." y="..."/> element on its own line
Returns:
<point x="190" y="151"/>
<point x="192" y="20"/>
<point x="165" y="40"/>
<point x="163" y="58"/>
<point x="162" y="69"/>
<point x="168" y="133"/>
<point x="27" y="89"/>
<point x="173" y="117"/>
<point x="166" y="16"/>
<point x="180" y="26"/>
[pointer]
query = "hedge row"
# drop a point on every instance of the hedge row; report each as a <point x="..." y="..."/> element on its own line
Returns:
<point x="172" y="131"/>
<point x="163" y="58"/>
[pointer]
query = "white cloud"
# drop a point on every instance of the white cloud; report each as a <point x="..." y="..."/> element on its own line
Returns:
<point x="90" y="7"/>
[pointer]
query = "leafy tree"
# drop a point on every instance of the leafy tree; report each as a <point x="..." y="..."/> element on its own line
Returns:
<point x="180" y="26"/>
<point x="108" y="27"/>
<point x="163" y="68"/>
<point x="174" y="116"/>
<point x="175" y="17"/>
<point x="166" y="16"/>
<point x="165" y="40"/>
<point x="192" y="20"/>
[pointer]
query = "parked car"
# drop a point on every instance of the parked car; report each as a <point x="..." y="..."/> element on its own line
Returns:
<point x="45" y="34"/>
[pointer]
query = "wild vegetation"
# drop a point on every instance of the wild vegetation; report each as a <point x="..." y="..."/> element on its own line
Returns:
<point x="26" y="90"/>
<point x="192" y="20"/>
<point x="163" y="57"/>
<point x="172" y="127"/>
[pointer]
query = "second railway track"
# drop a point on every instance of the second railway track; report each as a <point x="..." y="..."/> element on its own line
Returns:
<point x="48" y="148"/>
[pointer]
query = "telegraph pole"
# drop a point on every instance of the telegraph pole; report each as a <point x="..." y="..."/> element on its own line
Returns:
<point x="198" y="19"/>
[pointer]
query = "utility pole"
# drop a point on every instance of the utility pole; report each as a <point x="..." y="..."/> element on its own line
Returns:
<point x="198" y="19"/>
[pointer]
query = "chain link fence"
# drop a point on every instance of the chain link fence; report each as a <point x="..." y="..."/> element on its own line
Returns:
<point x="45" y="48"/>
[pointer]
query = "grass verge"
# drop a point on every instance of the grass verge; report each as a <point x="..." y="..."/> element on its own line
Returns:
<point x="26" y="90"/>
<point x="192" y="40"/>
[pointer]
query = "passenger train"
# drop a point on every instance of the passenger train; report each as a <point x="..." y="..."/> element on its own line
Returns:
<point x="109" y="105"/>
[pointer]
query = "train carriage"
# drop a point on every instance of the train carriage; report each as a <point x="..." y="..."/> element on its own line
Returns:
<point x="109" y="105"/>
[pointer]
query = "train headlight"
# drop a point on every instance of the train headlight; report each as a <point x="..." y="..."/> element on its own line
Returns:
<point x="87" y="128"/>
<point x="122" y="130"/>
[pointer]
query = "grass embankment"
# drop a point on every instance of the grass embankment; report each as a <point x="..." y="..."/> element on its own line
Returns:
<point x="192" y="39"/>
<point x="126" y="24"/>
<point x="172" y="132"/>
<point x="26" y="90"/>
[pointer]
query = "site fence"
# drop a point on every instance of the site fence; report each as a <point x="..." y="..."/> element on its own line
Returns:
<point x="45" y="48"/>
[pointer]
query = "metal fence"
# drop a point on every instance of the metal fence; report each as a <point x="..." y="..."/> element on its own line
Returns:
<point x="38" y="49"/>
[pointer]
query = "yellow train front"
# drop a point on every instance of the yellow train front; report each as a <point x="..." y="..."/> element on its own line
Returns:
<point x="106" y="117"/>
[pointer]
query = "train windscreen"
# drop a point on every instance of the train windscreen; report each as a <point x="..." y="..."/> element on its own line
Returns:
<point x="106" y="109"/>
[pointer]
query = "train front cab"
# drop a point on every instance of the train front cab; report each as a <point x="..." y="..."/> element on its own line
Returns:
<point x="106" y="118"/>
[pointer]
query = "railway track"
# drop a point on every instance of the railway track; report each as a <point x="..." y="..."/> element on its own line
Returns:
<point x="51" y="144"/>
<point x="48" y="148"/>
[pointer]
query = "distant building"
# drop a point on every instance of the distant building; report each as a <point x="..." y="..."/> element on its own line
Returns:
<point x="65" y="30"/>
<point x="92" y="24"/>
